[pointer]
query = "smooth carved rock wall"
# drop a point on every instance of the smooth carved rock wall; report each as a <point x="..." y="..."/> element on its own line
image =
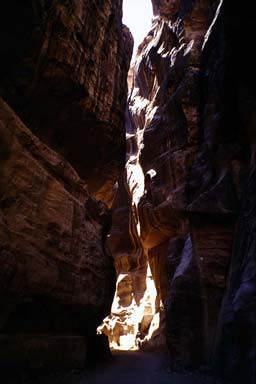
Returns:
<point x="195" y="155"/>
<point x="165" y="106"/>
<point x="56" y="278"/>
<point x="63" y="69"/>
<point x="162" y="131"/>
<point x="136" y="311"/>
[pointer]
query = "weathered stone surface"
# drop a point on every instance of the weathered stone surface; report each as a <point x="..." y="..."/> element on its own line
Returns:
<point x="165" y="108"/>
<point x="135" y="312"/>
<point x="63" y="69"/>
<point x="190" y="172"/>
<point x="55" y="278"/>
<point x="35" y="352"/>
<point x="236" y="344"/>
<point x="191" y="118"/>
<point x="236" y="100"/>
<point x="137" y="308"/>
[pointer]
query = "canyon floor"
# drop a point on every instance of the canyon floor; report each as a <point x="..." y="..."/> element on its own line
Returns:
<point x="127" y="368"/>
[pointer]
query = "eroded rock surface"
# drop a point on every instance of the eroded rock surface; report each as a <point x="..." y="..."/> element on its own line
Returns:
<point x="63" y="69"/>
<point x="56" y="278"/>
<point x="63" y="76"/>
<point x="183" y="232"/>
<point x="236" y="342"/>
<point x="191" y="119"/>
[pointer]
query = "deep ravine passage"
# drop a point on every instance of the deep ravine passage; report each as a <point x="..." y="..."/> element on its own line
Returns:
<point x="175" y="219"/>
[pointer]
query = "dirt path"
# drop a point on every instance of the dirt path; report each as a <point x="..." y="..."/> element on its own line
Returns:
<point x="141" y="368"/>
<point x="132" y="368"/>
<point x="128" y="368"/>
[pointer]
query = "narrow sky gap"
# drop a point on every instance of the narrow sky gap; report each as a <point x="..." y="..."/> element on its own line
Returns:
<point x="137" y="15"/>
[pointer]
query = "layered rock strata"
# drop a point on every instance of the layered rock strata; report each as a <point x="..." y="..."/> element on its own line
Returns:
<point x="63" y="70"/>
<point x="137" y="318"/>
<point x="56" y="278"/>
<point x="236" y="100"/>
<point x="63" y="77"/>
<point x="191" y="119"/>
<point x="182" y="233"/>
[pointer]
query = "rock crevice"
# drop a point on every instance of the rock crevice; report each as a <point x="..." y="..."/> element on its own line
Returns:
<point x="190" y="151"/>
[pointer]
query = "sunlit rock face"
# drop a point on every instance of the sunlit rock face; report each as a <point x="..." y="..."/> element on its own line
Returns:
<point x="137" y="312"/>
<point x="164" y="109"/>
<point x="66" y="78"/>
<point x="191" y="161"/>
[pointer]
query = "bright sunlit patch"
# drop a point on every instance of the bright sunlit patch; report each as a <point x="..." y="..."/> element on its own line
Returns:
<point x="137" y="15"/>
<point x="122" y="325"/>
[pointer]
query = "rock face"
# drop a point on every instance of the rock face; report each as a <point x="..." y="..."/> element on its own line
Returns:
<point x="163" y="141"/>
<point x="236" y="343"/>
<point x="63" y="69"/>
<point x="190" y="123"/>
<point x="136" y="311"/>
<point x="63" y="75"/>
<point x="56" y="278"/>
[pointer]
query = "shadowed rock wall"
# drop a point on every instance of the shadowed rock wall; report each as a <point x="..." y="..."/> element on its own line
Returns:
<point x="63" y="69"/>
<point x="63" y="73"/>
<point x="56" y="278"/>
<point x="234" y="77"/>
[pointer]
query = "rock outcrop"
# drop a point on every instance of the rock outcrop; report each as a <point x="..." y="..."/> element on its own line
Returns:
<point x="163" y="140"/>
<point x="56" y="278"/>
<point x="63" y="76"/>
<point x="191" y="122"/>
<point x="236" y="102"/>
<point x="136" y="311"/>
<point x="63" y="70"/>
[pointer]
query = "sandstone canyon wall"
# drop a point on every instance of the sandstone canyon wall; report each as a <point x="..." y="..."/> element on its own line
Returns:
<point x="63" y="72"/>
<point x="185" y="204"/>
<point x="236" y="100"/>
<point x="181" y="233"/>
<point x="63" y="69"/>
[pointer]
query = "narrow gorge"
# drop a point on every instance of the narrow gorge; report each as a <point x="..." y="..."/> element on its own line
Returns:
<point x="127" y="200"/>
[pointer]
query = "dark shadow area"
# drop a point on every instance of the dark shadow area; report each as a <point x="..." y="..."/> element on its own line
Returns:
<point x="19" y="29"/>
